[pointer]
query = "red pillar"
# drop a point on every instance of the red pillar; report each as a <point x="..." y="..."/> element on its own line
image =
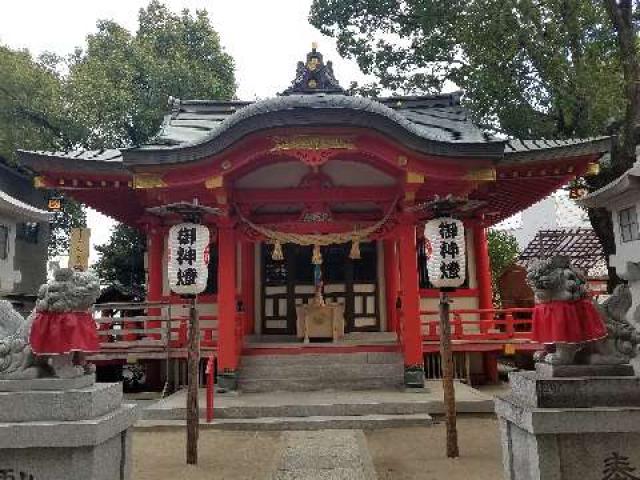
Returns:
<point x="483" y="270"/>
<point x="391" y="281"/>
<point x="248" y="283"/>
<point x="227" y="342"/>
<point x="412" y="340"/>
<point x="155" y="253"/>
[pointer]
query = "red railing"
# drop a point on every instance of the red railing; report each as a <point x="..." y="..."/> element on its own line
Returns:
<point x="168" y="326"/>
<point x="480" y="324"/>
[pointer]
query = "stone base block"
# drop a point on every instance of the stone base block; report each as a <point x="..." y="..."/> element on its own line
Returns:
<point x="109" y="460"/>
<point x="540" y="391"/>
<point x="565" y="442"/>
<point x="562" y="371"/>
<point x="39" y="384"/>
<point x="77" y="433"/>
<point x="45" y="404"/>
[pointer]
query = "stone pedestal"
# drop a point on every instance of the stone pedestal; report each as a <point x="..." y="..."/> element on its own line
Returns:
<point x="558" y="427"/>
<point x="59" y="429"/>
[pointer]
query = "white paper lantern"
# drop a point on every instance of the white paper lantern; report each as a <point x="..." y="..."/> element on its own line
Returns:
<point x="446" y="262"/>
<point x="188" y="258"/>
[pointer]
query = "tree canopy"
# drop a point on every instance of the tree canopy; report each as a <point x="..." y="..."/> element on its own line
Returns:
<point x="529" y="68"/>
<point x="113" y="93"/>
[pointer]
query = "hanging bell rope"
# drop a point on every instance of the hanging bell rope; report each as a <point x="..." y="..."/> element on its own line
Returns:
<point x="354" y="254"/>
<point x="277" y="254"/>
<point x="317" y="238"/>
<point x="316" y="257"/>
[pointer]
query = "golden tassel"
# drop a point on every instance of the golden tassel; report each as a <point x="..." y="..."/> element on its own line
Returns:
<point x="277" y="254"/>
<point x="354" y="254"/>
<point x="316" y="258"/>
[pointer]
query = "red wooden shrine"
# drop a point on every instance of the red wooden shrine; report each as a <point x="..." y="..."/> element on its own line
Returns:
<point x="317" y="161"/>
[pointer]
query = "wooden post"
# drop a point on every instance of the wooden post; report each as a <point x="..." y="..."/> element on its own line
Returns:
<point x="446" y="360"/>
<point x="193" y="419"/>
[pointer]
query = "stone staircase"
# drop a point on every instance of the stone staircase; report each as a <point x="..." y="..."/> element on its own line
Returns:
<point x="311" y="372"/>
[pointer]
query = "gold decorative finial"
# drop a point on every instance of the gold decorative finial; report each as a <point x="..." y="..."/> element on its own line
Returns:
<point x="314" y="46"/>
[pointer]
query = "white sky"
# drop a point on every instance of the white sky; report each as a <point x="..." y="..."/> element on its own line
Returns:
<point x="266" y="38"/>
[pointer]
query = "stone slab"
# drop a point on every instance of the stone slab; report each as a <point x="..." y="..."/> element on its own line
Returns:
<point x="39" y="384"/>
<point x="541" y="421"/>
<point x="339" y="454"/>
<point x="562" y="371"/>
<point x="65" y="434"/>
<point x="60" y="405"/>
<point x="538" y="390"/>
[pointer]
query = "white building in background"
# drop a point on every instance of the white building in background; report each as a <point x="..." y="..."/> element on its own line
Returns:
<point x="555" y="212"/>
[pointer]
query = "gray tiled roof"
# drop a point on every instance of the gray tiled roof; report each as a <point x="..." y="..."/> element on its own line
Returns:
<point x="435" y="124"/>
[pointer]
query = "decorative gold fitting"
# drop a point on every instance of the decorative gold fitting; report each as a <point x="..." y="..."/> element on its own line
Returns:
<point x="214" y="182"/>
<point x="39" y="182"/>
<point x="145" y="181"/>
<point x="410" y="196"/>
<point x="311" y="142"/>
<point x="481" y="174"/>
<point x="415" y="177"/>
<point x="593" y="168"/>
<point x="402" y="160"/>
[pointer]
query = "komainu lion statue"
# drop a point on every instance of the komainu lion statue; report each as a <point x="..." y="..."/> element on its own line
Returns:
<point x="17" y="361"/>
<point x="573" y="329"/>
<point x="54" y="339"/>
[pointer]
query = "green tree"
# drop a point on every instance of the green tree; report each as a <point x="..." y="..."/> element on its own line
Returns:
<point x="552" y="69"/>
<point x="122" y="258"/>
<point x="503" y="252"/>
<point x="33" y="115"/>
<point x="119" y="88"/>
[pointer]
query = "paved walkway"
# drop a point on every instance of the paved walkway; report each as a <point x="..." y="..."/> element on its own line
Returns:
<point x="325" y="455"/>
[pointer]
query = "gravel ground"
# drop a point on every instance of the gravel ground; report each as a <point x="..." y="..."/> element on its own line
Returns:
<point x="419" y="452"/>
<point x="398" y="453"/>
<point x="160" y="455"/>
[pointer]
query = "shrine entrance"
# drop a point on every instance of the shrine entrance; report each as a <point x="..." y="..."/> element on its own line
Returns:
<point x="289" y="283"/>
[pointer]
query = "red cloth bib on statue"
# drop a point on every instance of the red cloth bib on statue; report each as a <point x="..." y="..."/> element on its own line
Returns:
<point x="56" y="333"/>
<point x="567" y="322"/>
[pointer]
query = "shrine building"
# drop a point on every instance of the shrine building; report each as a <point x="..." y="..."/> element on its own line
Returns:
<point x="318" y="171"/>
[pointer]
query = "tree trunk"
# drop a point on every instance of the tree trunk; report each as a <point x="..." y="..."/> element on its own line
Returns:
<point x="621" y="15"/>
<point x="602" y="224"/>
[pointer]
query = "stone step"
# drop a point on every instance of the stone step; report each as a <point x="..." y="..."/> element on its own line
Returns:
<point x="298" y="423"/>
<point x="313" y="384"/>
<point x="321" y="372"/>
<point x="322" y="359"/>
<point x="300" y="410"/>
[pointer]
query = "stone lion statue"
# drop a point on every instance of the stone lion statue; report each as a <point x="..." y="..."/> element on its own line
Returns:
<point x="17" y="361"/>
<point x="568" y="322"/>
<point x="55" y="337"/>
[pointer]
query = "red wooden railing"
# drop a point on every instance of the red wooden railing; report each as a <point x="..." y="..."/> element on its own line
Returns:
<point x="168" y="328"/>
<point x="480" y="324"/>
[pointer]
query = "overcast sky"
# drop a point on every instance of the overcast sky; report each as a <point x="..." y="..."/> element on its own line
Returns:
<point x="265" y="37"/>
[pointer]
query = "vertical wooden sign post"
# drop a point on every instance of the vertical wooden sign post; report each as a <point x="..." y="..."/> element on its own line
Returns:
<point x="447" y="270"/>
<point x="446" y="360"/>
<point x="188" y="272"/>
<point x="193" y="409"/>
